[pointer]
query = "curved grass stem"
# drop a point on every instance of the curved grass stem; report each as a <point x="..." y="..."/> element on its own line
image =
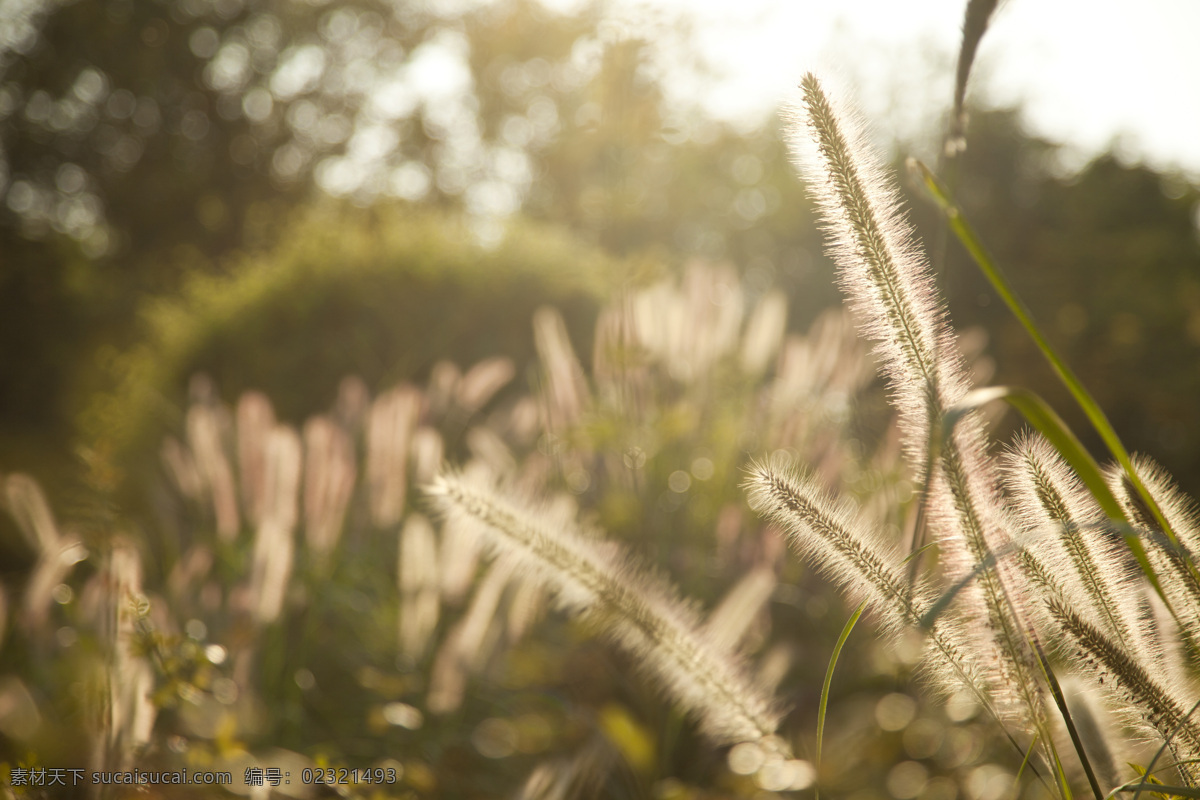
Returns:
<point x="833" y="659"/>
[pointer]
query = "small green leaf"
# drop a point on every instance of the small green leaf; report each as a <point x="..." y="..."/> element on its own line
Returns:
<point x="628" y="736"/>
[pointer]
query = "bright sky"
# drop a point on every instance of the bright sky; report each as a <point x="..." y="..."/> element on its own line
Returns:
<point x="1088" y="73"/>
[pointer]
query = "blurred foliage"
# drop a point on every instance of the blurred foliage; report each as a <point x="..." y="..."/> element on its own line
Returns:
<point x="381" y="293"/>
<point x="336" y="660"/>
<point x="132" y="166"/>
<point x="168" y="170"/>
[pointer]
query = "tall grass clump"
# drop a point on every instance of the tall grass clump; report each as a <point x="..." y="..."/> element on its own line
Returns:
<point x="890" y="287"/>
<point x="1027" y="561"/>
<point x="579" y="586"/>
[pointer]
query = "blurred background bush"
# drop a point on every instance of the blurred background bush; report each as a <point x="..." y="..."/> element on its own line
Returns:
<point x="279" y="195"/>
<point x="146" y="144"/>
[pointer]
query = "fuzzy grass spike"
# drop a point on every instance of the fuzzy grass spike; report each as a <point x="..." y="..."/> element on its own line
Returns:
<point x="637" y="611"/>
<point x="892" y="294"/>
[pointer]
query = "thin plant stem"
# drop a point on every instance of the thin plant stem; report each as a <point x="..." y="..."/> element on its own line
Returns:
<point x="1061" y="701"/>
<point x="833" y="659"/>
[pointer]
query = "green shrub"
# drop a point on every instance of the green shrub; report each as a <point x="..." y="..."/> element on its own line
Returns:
<point x="382" y="294"/>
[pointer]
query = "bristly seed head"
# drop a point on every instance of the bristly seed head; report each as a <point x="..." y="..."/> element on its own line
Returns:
<point x="638" y="611"/>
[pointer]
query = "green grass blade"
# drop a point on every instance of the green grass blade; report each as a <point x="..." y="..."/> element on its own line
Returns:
<point x="970" y="240"/>
<point x="975" y="24"/>
<point x="1144" y="780"/>
<point x="837" y="651"/>
<point x="1061" y="701"/>
<point x="1025" y="761"/>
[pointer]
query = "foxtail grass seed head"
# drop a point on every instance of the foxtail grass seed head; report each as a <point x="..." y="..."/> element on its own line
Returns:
<point x="468" y="643"/>
<point x="1147" y="701"/>
<point x="687" y="328"/>
<point x="892" y="293"/>
<point x="481" y="625"/>
<point x="464" y="539"/>
<point x="565" y="394"/>
<point x="329" y="477"/>
<point x="255" y="421"/>
<point x="828" y="533"/>
<point x="1064" y="525"/>
<point x="764" y="333"/>
<point x="773" y="666"/>
<point x="274" y="543"/>
<point x="618" y="356"/>
<point x="733" y="618"/>
<point x="26" y="504"/>
<point x="428" y="450"/>
<point x="52" y="568"/>
<point x="1181" y="511"/>
<point x="57" y="552"/>
<point x="131" y="710"/>
<point x="353" y="402"/>
<point x="181" y="468"/>
<point x="637" y="611"/>
<point x="581" y="775"/>
<point x="525" y="609"/>
<point x="448" y="682"/>
<point x="1173" y="563"/>
<point x="390" y="424"/>
<point x="481" y="383"/>
<point x="420" y="595"/>
<point x="205" y="426"/>
<point x="879" y="266"/>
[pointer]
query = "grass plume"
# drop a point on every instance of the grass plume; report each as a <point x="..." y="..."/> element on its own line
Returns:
<point x="891" y="291"/>
<point x="1174" y="562"/>
<point x="1068" y="531"/>
<point x="1147" y="700"/>
<point x="827" y="533"/>
<point x="639" y="612"/>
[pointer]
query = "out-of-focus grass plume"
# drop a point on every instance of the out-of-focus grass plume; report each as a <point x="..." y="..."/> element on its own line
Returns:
<point x="384" y="294"/>
<point x="254" y="614"/>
